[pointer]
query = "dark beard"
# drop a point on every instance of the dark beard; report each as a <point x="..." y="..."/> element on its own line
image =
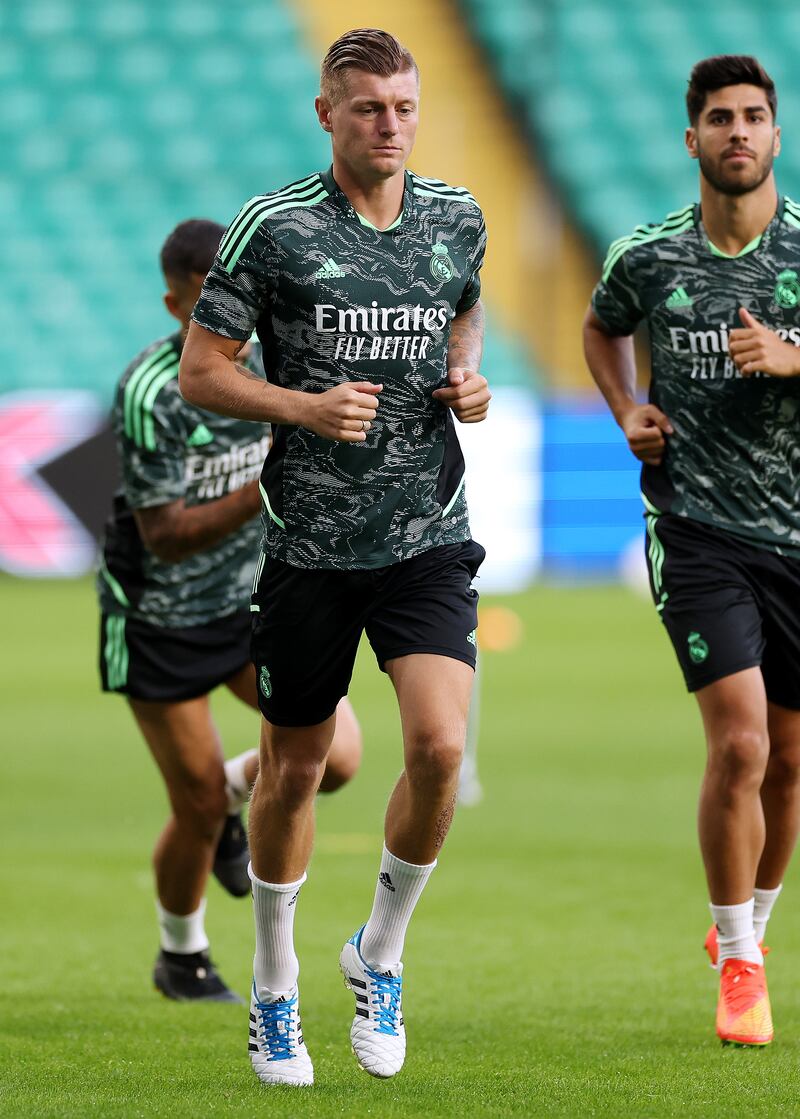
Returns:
<point x="735" y="187"/>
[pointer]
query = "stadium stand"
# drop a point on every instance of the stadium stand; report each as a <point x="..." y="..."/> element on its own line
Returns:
<point x="601" y="86"/>
<point x="120" y="120"/>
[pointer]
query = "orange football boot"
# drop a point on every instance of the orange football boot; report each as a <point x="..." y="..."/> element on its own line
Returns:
<point x="711" y="946"/>
<point x="744" y="1016"/>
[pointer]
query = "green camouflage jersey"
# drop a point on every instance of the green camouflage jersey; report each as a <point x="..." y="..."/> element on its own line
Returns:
<point x="170" y="451"/>
<point x="734" y="458"/>
<point x="334" y="299"/>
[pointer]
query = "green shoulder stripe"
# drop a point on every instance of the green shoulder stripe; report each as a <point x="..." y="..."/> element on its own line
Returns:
<point x="246" y="212"/>
<point x="148" y="439"/>
<point x="645" y="229"/>
<point x="263" y="208"/>
<point x="673" y="224"/>
<point x="791" y="213"/>
<point x="162" y="360"/>
<point x="435" y="188"/>
<point x="446" y="196"/>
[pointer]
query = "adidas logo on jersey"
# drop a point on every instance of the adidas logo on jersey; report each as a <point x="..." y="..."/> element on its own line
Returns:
<point x="200" y="437"/>
<point x="679" y="298"/>
<point x="330" y="270"/>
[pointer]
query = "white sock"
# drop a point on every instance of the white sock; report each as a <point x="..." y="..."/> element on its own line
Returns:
<point x="764" y="901"/>
<point x="237" y="787"/>
<point x="275" y="965"/>
<point x="182" y="934"/>
<point x="735" y="934"/>
<point x="397" y="892"/>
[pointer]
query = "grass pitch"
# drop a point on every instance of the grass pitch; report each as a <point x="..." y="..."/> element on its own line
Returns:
<point x="554" y="965"/>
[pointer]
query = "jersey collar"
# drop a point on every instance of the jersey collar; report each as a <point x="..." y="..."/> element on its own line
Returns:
<point x="343" y="202"/>
<point x="762" y="241"/>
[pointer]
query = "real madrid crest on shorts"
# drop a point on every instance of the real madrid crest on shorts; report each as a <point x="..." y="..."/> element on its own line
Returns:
<point x="698" y="648"/>
<point x="265" y="683"/>
<point x="787" y="289"/>
<point x="442" y="267"/>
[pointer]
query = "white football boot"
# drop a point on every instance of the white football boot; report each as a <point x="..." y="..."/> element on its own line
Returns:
<point x="377" y="1034"/>
<point x="277" y="1051"/>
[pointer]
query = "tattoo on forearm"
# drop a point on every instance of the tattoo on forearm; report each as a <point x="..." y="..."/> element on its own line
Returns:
<point x="465" y="346"/>
<point x="245" y="372"/>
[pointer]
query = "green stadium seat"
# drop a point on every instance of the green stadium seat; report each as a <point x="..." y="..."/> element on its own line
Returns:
<point x="119" y="120"/>
<point x="602" y="87"/>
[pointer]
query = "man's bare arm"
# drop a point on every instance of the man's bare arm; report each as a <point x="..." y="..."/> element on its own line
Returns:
<point x="175" y="531"/>
<point x="467" y="392"/>
<point x="465" y="345"/>
<point x="211" y="378"/>
<point x="612" y="363"/>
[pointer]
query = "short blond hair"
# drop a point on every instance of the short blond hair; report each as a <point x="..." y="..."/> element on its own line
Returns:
<point x="366" y="48"/>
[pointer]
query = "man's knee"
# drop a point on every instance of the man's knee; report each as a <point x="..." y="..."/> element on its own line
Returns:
<point x="739" y="756"/>
<point x="291" y="763"/>
<point x="784" y="764"/>
<point x="433" y="755"/>
<point x="292" y="782"/>
<point x="199" y="802"/>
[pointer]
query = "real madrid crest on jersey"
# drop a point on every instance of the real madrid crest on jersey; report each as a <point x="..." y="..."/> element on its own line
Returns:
<point x="787" y="289"/>
<point x="442" y="267"/>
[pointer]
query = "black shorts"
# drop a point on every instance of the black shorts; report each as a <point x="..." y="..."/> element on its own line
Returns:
<point x="307" y="625"/>
<point x="164" y="665"/>
<point x="727" y="605"/>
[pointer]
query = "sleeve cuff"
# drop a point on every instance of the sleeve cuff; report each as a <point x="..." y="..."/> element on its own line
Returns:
<point x="223" y="330"/>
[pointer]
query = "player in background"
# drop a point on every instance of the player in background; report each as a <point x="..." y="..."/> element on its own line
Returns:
<point x="717" y="284"/>
<point x="363" y="285"/>
<point x="174" y="585"/>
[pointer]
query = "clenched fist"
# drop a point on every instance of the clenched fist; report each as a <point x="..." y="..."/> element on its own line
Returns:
<point x="344" y="413"/>
<point x="466" y="395"/>
<point x="645" y="426"/>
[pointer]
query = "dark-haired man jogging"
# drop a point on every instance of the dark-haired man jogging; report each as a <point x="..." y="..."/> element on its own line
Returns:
<point x="178" y="561"/>
<point x="363" y="285"/>
<point x="719" y="287"/>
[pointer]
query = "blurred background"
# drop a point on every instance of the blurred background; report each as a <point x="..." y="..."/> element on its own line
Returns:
<point x="122" y="117"/>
